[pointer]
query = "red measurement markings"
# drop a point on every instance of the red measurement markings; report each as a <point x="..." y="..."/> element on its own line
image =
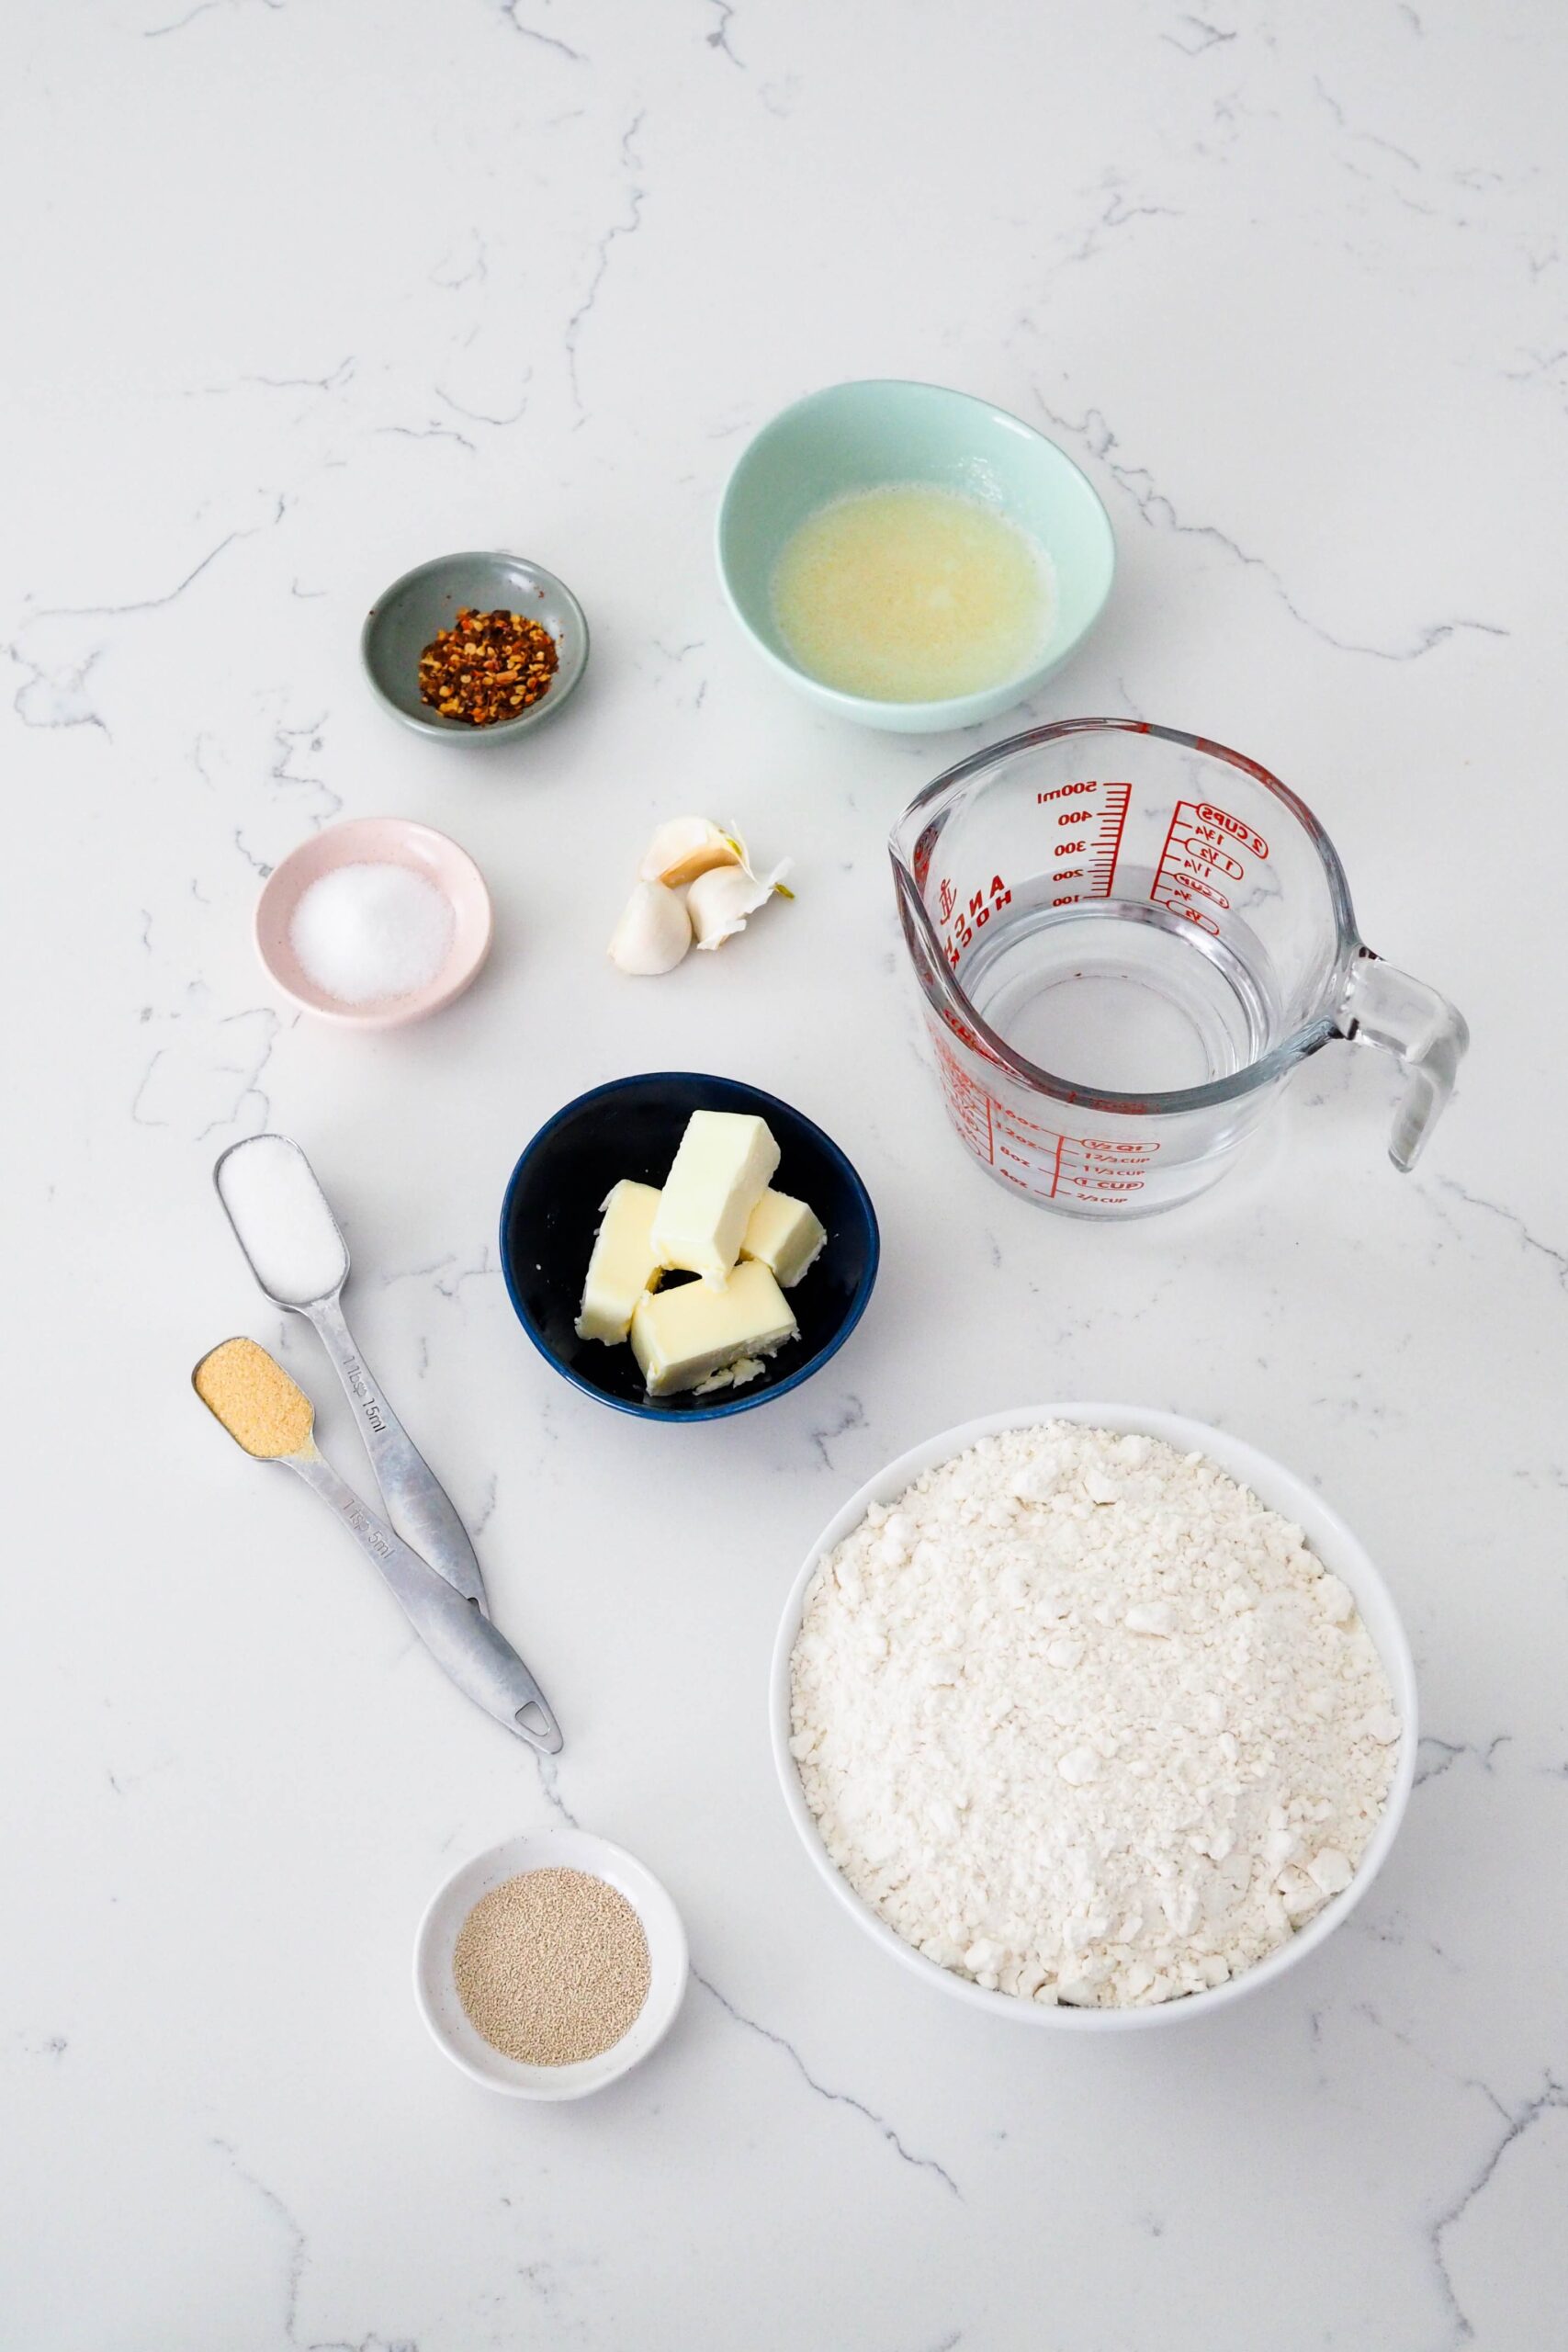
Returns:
<point x="970" y="1038"/>
<point x="1089" y="828"/>
<point x="968" y="1102"/>
<point x="1098" y="1168"/>
<point x="1205" y="848"/>
<point x="1208" y="815"/>
<point x="1108" y="838"/>
<point x="1038" y="1159"/>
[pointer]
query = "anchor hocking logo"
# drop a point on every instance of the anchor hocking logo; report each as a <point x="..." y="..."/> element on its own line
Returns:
<point x="982" y="906"/>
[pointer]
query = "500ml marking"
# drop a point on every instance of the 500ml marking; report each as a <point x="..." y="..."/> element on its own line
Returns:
<point x="1092" y="816"/>
<point x="1038" y="1159"/>
<point x="1205" y="848"/>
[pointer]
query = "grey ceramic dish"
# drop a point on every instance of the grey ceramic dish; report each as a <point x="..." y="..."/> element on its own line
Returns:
<point x="403" y="620"/>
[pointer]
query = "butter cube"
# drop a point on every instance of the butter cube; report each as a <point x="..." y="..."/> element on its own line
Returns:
<point x="679" y="1335"/>
<point x="716" y="1180"/>
<point x="785" y="1235"/>
<point x="734" y="1376"/>
<point x="624" y="1263"/>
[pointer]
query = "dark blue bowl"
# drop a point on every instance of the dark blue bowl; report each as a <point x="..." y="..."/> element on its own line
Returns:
<point x="631" y="1127"/>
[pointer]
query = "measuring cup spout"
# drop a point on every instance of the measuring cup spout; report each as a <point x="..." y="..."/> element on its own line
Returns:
<point x="928" y="966"/>
<point x="1426" y="1035"/>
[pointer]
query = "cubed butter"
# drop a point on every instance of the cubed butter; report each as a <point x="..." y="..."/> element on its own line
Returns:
<point x="623" y="1265"/>
<point x="680" y="1335"/>
<point x="785" y="1235"/>
<point x="716" y="1180"/>
<point x="733" y="1375"/>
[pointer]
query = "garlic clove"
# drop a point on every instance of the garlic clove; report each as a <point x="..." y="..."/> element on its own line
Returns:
<point x="653" y="934"/>
<point x="720" y="901"/>
<point x="686" y="847"/>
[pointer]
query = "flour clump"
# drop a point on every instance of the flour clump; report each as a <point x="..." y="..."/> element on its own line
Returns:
<point x="1084" y="1721"/>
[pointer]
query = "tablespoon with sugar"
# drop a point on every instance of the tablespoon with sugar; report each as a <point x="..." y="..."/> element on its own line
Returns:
<point x="294" y="1246"/>
<point x="270" y="1417"/>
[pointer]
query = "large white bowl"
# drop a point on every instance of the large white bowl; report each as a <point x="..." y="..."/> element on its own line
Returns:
<point x="1334" y="1544"/>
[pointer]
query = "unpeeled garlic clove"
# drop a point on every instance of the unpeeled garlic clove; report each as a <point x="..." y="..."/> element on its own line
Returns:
<point x="719" y="903"/>
<point x="653" y="934"/>
<point x="686" y="847"/>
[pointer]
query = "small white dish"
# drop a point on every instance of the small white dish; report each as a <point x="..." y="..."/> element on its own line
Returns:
<point x="1327" y="1536"/>
<point x="435" y="1990"/>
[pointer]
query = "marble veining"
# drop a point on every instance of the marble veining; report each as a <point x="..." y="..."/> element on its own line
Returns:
<point x="302" y="297"/>
<point x="821" y="2090"/>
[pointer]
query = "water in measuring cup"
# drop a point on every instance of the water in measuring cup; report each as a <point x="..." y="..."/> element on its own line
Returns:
<point x="1119" y="994"/>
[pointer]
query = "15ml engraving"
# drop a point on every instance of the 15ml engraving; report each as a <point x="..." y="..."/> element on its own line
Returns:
<point x="361" y="1389"/>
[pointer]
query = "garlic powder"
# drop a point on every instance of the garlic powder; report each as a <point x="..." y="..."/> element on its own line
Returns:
<point x="1084" y="1721"/>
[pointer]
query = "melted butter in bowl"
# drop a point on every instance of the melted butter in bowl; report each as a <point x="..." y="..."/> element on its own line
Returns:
<point x="909" y="558"/>
<point x="912" y="593"/>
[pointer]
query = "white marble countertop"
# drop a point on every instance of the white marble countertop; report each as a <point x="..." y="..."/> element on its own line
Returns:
<point x="299" y="295"/>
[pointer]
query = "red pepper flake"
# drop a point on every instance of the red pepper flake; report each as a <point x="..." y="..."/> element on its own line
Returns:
<point x="487" y="666"/>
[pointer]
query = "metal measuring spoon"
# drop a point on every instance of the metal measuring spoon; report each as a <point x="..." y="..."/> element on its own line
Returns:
<point x="417" y="1504"/>
<point x="464" y="1643"/>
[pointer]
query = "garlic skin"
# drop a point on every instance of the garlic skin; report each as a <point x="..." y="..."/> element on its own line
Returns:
<point x="719" y="902"/>
<point x="686" y="847"/>
<point x="653" y="934"/>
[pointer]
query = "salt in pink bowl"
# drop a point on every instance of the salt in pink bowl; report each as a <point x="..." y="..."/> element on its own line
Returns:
<point x="376" y="841"/>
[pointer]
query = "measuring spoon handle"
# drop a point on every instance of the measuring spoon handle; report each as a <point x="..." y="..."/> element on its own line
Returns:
<point x="467" y="1647"/>
<point x="417" y="1504"/>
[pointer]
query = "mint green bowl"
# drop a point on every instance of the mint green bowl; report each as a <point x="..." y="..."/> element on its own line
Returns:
<point x="858" y="436"/>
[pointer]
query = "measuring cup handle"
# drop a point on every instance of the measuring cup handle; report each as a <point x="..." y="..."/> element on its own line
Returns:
<point x="1426" y="1035"/>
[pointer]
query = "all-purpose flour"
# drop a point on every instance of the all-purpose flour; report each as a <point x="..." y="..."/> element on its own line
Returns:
<point x="1083" y="1720"/>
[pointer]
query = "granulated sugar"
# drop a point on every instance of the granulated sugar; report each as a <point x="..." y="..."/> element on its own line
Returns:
<point x="1082" y="1720"/>
<point x="282" y="1219"/>
<point x="552" y="1967"/>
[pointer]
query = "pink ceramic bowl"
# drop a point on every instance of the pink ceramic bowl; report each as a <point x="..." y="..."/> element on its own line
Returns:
<point x="376" y="841"/>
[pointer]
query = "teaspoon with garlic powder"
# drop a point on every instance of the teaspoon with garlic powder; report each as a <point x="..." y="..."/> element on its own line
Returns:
<point x="294" y="1246"/>
<point x="271" y="1418"/>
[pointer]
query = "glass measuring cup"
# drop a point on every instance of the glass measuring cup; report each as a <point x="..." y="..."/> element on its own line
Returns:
<point x="1126" y="939"/>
